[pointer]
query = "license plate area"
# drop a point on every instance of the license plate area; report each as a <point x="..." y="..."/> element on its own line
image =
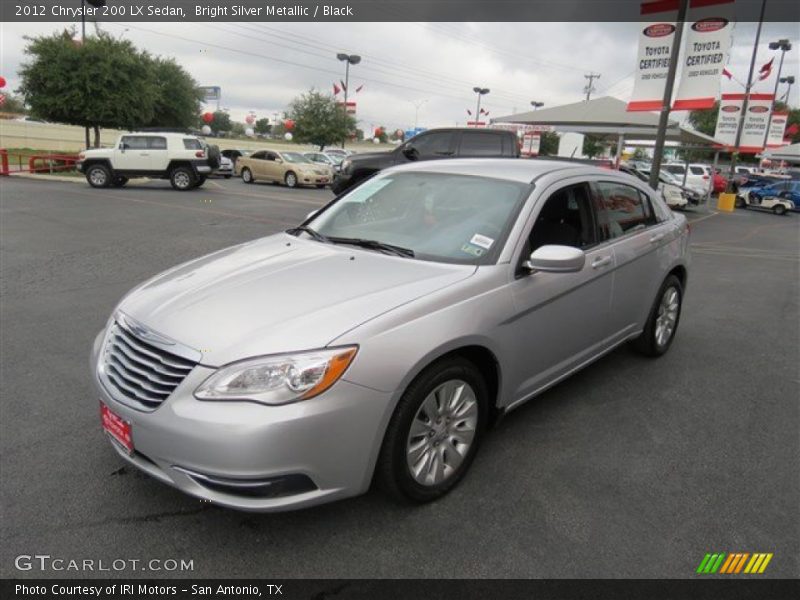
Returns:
<point x="118" y="428"/>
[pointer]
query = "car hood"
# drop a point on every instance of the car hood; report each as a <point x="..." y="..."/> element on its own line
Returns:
<point x="279" y="294"/>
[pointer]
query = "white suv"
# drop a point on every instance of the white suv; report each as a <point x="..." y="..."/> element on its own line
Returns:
<point x="185" y="160"/>
<point x="698" y="176"/>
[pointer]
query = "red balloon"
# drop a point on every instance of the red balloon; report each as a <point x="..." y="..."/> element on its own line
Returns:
<point x="378" y="131"/>
<point x="289" y="124"/>
<point x="2" y="81"/>
<point x="250" y="119"/>
<point x="208" y="117"/>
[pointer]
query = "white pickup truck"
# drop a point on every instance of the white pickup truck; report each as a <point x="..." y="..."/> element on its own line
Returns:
<point x="186" y="160"/>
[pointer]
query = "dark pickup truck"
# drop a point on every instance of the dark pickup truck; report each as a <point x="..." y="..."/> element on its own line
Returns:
<point x="429" y="145"/>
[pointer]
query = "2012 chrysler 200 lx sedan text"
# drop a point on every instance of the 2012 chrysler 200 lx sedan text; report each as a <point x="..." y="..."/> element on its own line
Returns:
<point x="381" y="337"/>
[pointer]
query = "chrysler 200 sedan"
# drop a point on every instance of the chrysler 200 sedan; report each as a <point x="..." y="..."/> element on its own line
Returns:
<point x="381" y="337"/>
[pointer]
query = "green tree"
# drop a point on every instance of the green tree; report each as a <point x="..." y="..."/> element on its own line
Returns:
<point x="178" y="98"/>
<point x="104" y="82"/>
<point x="548" y="144"/>
<point x="592" y="146"/>
<point x="14" y="105"/>
<point x="222" y="121"/>
<point x="705" y="121"/>
<point x="238" y="129"/>
<point x="792" y="119"/>
<point x="319" y="120"/>
<point x="262" y="126"/>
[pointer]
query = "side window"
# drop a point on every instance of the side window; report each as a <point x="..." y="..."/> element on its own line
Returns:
<point x="271" y="156"/>
<point x="135" y="142"/>
<point x="566" y="219"/>
<point x="481" y="144"/>
<point x="622" y="209"/>
<point x="191" y="144"/>
<point x="676" y="169"/>
<point x="157" y="143"/>
<point x="697" y="170"/>
<point x="433" y="144"/>
<point x="659" y="209"/>
<point x="259" y="155"/>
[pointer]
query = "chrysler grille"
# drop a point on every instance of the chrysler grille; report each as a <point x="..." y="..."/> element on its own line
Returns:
<point x="139" y="372"/>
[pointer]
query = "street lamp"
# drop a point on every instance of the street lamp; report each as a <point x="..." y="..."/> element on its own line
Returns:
<point x="481" y="92"/>
<point x="784" y="46"/>
<point x="536" y="105"/>
<point x="348" y="59"/>
<point x="790" y="81"/>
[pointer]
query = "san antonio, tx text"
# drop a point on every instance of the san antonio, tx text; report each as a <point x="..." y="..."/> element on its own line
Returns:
<point x="268" y="589"/>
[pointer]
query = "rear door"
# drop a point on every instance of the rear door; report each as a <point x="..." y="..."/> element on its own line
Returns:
<point x="159" y="156"/>
<point x="639" y="238"/>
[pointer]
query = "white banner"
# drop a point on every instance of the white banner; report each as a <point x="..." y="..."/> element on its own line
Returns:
<point x="531" y="144"/>
<point x="706" y="45"/>
<point x="755" y="123"/>
<point x="652" y="62"/>
<point x="777" y="127"/>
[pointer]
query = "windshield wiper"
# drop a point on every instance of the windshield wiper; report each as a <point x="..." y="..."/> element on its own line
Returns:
<point x="374" y="245"/>
<point x="314" y="234"/>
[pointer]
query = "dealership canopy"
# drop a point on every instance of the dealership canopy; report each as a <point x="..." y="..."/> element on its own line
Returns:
<point x="607" y="117"/>
<point x="789" y="154"/>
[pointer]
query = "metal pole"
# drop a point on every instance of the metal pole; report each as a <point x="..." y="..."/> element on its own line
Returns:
<point x="346" y="85"/>
<point x="666" y="102"/>
<point x="739" y="127"/>
<point x="83" y="41"/>
<point x="620" y="142"/>
<point x="478" y="110"/>
<point x="714" y="169"/>
<point x="774" y="97"/>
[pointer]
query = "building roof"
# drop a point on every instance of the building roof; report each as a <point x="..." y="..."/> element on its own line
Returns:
<point x="790" y="153"/>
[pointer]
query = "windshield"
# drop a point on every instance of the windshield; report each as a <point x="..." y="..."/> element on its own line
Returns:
<point x="440" y="217"/>
<point x="294" y="157"/>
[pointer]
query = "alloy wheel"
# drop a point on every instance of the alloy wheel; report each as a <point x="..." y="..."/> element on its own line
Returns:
<point x="667" y="316"/>
<point x="98" y="177"/>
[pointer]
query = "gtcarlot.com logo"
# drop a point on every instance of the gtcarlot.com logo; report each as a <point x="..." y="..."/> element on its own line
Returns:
<point x="734" y="563"/>
<point x="45" y="562"/>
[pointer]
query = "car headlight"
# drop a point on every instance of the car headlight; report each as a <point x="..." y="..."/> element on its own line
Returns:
<point x="278" y="379"/>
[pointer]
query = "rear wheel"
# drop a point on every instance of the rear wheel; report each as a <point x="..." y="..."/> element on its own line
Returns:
<point x="739" y="202"/>
<point x="200" y="181"/>
<point x="98" y="176"/>
<point x="779" y="209"/>
<point x="290" y="179"/>
<point x="320" y="186"/>
<point x="182" y="179"/>
<point x="662" y="323"/>
<point x="119" y="181"/>
<point x="434" y="433"/>
<point x="247" y="175"/>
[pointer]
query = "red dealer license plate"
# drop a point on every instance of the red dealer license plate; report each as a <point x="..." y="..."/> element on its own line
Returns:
<point x="117" y="427"/>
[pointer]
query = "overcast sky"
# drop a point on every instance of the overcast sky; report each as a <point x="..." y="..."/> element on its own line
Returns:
<point x="262" y="66"/>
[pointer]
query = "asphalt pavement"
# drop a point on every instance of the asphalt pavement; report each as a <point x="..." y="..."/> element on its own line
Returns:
<point x="633" y="468"/>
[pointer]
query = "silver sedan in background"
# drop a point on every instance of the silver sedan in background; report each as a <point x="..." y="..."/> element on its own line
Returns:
<point x="379" y="340"/>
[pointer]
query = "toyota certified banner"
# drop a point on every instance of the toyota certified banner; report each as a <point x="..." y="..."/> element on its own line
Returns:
<point x="655" y="48"/>
<point x="706" y="44"/>
<point x="754" y="128"/>
<point x="777" y="127"/>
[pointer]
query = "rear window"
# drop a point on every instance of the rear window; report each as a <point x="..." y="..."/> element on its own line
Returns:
<point x="674" y="169"/>
<point x="481" y="144"/>
<point x="157" y="143"/>
<point x="192" y="144"/>
<point x="697" y="170"/>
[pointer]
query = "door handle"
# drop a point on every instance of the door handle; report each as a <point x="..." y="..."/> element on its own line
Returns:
<point x="656" y="238"/>
<point x="601" y="261"/>
<point x="144" y="154"/>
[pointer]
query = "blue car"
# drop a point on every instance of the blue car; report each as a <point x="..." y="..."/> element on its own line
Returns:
<point x="787" y="189"/>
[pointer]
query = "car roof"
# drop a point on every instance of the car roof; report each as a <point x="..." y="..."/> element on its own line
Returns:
<point x="512" y="169"/>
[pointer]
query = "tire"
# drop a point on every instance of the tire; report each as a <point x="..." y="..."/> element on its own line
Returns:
<point x="227" y="176"/>
<point x="653" y="341"/>
<point x="119" y="181"/>
<point x="182" y="179"/>
<point x="98" y="176"/>
<point x="200" y="181"/>
<point x="739" y="202"/>
<point x="779" y="209"/>
<point x="321" y="187"/>
<point x="441" y="464"/>
<point x="290" y="179"/>
<point x="247" y="175"/>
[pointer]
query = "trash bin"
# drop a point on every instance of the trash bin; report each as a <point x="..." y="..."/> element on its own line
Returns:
<point x="726" y="202"/>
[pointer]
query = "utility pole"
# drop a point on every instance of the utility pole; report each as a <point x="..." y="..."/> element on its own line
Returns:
<point x="666" y="101"/>
<point x="589" y="88"/>
<point x="746" y="100"/>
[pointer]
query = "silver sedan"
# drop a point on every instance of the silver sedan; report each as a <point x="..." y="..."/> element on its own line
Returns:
<point x="381" y="338"/>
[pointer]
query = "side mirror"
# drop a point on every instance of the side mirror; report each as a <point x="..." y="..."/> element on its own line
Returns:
<point x="411" y="153"/>
<point x="279" y="160"/>
<point x="556" y="259"/>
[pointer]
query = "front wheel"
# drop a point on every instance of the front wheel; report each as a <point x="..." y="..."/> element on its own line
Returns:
<point x="779" y="209"/>
<point x="119" y="181"/>
<point x="98" y="176"/>
<point x="182" y="179"/>
<point x="247" y="175"/>
<point x="662" y="323"/>
<point x="740" y="202"/>
<point x="227" y="176"/>
<point x="434" y="433"/>
<point x="290" y="179"/>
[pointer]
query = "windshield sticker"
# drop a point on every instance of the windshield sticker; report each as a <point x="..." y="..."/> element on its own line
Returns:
<point x="472" y="250"/>
<point x="482" y="241"/>
<point x="368" y="189"/>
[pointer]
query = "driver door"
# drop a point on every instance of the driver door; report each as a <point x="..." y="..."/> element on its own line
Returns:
<point x="561" y="320"/>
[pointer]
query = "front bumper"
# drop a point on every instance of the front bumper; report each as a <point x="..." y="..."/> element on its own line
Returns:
<point x="214" y="450"/>
<point x="313" y="179"/>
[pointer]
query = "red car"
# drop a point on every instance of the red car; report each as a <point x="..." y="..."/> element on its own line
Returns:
<point x="720" y="183"/>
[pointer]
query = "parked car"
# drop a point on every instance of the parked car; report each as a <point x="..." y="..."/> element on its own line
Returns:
<point x="330" y="160"/>
<point x="779" y="197"/>
<point x="340" y="152"/>
<point x="225" y="167"/>
<point x="186" y="160"/>
<point x="289" y="168"/>
<point x="432" y="144"/>
<point x="720" y="182"/>
<point x="671" y="193"/>
<point x="381" y="338"/>
<point x="234" y="153"/>
<point x="698" y="175"/>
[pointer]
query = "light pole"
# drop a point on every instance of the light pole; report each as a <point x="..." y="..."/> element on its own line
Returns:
<point x="536" y="105"/>
<point x="784" y="46"/>
<point x="481" y="92"/>
<point x="790" y="81"/>
<point x="349" y="59"/>
<point x="417" y="105"/>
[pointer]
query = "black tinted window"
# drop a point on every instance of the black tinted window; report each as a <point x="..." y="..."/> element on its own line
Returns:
<point x="697" y="170"/>
<point x="192" y="144"/>
<point x="135" y="142"/>
<point x="433" y="144"/>
<point x="481" y="144"/>
<point x="621" y="209"/>
<point x="259" y="155"/>
<point x="157" y="143"/>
